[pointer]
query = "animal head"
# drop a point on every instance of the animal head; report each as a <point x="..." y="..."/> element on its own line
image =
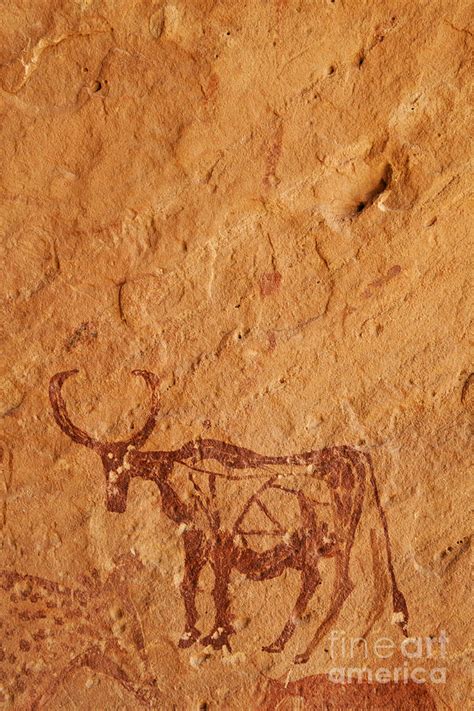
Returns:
<point x="114" y="455"/>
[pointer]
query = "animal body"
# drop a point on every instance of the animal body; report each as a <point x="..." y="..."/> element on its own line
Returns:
<point x="318" y="693"/>
<point x="343" y="473"/>
<point x="49" y="630"/>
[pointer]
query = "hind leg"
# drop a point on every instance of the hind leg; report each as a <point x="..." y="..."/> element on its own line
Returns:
<point x="310" y="579"/>
<point x="341" y="590"/>
<point x="195" y="558"/>
<point x="347" y="496"/>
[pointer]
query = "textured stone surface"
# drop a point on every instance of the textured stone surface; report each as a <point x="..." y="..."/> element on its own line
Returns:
<point x="267" y="205"/>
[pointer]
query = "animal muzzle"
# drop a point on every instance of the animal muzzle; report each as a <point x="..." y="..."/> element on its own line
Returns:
<point x="116" y="503"/>
<point x="116" y="496"/>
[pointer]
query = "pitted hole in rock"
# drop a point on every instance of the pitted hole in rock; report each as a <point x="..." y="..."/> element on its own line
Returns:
<point x="370" y="196"/>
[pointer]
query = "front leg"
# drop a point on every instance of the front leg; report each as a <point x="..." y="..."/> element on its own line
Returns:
<point x="195" y="558"/>
<point x="221" y="561"/>
<point x="306" y="554"/>
<point x="172" y="505"/>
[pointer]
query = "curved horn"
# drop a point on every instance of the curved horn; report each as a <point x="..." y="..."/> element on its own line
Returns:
<point x="142" y="435"/>
<point x="60" y="411"/>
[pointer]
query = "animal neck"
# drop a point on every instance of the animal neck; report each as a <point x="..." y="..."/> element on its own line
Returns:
<point x="146" y="465"/>
<point x="156" y="467"/>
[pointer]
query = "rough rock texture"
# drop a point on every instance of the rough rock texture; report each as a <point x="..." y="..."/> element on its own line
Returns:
<point x="266" y="204"/>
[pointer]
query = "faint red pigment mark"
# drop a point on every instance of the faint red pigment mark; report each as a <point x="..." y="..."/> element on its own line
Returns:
<point x="85" y="333"/>
<point x="319" y="693"/>
<point x="271" y="340"/>
<point x="280" y="7"/>
<point x="345" y="471"/>
<point x="269" y="283"/>
<point x="273" y="156"/>
<point x="212" y="85"/>
<point x="377" y="283"/>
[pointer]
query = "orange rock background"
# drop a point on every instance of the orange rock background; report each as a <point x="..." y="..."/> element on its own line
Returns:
<point x="267" y="204"/>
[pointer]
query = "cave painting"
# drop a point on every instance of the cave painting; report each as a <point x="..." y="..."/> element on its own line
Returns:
<point x="219" y="534"/>
<point x="318" y="693"/>
<point x="51" y="630"/>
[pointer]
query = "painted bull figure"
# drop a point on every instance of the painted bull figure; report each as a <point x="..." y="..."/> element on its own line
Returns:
<point x="344" y="473"/>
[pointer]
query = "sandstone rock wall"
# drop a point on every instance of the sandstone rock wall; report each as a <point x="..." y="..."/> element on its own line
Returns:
<point x="266" y="204"/>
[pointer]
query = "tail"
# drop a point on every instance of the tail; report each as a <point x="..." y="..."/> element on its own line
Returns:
<point x="400" y="608"/>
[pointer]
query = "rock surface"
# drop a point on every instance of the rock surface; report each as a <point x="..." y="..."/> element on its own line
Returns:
<point x="266" y="204"/>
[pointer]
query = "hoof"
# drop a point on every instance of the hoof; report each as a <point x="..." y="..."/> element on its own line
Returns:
<point x="188" y="638"/>
<point x="301" y="658"/>
<point x="217" y="639"/>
